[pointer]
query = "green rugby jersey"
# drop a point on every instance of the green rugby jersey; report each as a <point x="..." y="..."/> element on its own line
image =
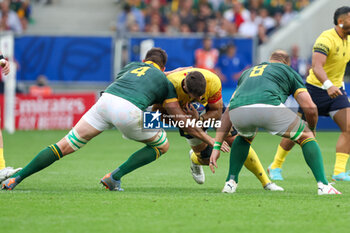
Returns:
<point x="143" y="84"/>
<point x="267" y="83"/>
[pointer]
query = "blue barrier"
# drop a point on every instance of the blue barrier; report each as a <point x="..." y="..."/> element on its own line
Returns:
<point x="181" y="49"/>
<point x="64" y="58"/>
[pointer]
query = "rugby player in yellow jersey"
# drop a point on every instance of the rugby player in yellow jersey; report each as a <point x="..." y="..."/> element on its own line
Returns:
<point x="331" y="53"/>
<point x="201" y="85"/>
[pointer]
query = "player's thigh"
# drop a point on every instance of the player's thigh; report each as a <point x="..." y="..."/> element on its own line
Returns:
<point x="85" y="130"/>
<point x="283" y="122"/>
<point x="115" y="111"/>
<point x="95" y="117"/>
<point x="342" y="118"/>
<point x="196" y="144"/>
<point x="277" y="120"/>
<point x="81" y="133"/>
<point x="321" y="99"/>
<point x="243" y="121"/>
<point x="89" y="126"/>
<point x="339" y="103"/>
<point x="197" y="147"/>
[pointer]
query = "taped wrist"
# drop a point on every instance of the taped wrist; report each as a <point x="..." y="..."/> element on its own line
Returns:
<point x="217" y="145"/>
<point x="327" y="84"/>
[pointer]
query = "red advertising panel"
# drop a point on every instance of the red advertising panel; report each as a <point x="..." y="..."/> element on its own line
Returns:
<point x="58" y="111"/>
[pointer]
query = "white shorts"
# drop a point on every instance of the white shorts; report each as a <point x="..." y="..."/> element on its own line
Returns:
<point x="111" y="110"/>
<point x="275" y="119"/>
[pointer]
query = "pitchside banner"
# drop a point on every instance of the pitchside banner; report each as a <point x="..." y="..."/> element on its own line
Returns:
<point x="58" y="111"/>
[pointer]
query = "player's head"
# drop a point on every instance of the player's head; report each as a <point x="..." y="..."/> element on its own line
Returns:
<point x="195" y="85"/>
<point x="342" y="19"/>
<point x="280" y="56"/>
<point x="158" y="56"/>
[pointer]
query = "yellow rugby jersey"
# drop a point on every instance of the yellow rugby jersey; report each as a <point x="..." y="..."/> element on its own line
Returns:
<point x="213" y="88"/>
<point x="337" y="51"/>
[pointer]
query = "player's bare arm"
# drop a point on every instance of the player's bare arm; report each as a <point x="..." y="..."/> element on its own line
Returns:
<point x="221" y="133"/>
<point x="309" y="108"/>
<point x="214" y="111"/>
<point x="318" y="61"/>
<point x="173" y="108"/>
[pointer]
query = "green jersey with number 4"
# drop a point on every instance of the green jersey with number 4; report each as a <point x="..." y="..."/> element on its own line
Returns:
<point x="143" y="85"/>
<point x="267" y="83"/>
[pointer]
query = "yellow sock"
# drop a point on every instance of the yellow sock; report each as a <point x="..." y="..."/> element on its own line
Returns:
<point x="340" y="162"/>
<point x="253" y="164"/>
<point x="2" y="159"/>
<point x="279" y="157"/>
<point x="194" y="158"/>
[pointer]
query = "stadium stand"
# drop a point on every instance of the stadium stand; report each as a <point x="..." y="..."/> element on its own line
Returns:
<point x="217" y="18"/>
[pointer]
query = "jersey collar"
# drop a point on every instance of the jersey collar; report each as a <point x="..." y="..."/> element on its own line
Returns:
<point x="335" y="30"/>
<point x="154" y="64"/>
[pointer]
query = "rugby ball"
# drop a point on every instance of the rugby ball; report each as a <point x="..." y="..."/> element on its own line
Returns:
<point x="199" y="107"/>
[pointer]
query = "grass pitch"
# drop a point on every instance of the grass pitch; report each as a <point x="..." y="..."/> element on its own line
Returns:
<point x="162" y="196"/>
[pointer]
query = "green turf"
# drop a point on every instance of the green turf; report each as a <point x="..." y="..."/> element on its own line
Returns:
<point x="162" y="197"/>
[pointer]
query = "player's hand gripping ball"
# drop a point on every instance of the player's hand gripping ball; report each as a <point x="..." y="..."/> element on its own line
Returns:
<point x="199" y="107"/>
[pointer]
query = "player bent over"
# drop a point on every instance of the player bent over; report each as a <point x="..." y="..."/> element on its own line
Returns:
<point x="258" y="103"/>
<point x="137" y="86"/>
<point x="204" y="87"/>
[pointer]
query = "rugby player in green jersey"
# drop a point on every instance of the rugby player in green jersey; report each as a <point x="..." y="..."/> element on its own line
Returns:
<point x="258" y="103"/>
<point x="137" y="86"/>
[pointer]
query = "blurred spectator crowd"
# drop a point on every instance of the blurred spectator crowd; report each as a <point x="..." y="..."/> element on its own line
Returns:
<point x="14" y="15"/>
<point x="229" y="64"/>
<point x="247" y="18"/>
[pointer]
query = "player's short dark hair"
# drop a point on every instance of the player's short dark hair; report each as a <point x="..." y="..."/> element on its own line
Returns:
<point x="158" y="56"/>
<point x="196" y="83"/>
<point x="340" y="11"/>
<point x="281" y="56"/>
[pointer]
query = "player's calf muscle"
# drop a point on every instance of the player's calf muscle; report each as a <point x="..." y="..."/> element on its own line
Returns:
<point x="163" y="149"/>
<point x="64" y="147"/>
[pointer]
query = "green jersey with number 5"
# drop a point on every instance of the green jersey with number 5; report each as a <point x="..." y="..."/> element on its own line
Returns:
<point x="143" y="84"/>
<point x="267" y="83"/>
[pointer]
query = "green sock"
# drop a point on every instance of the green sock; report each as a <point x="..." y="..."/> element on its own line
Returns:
<point x="140" y="158"/>
<point x="45" y="157"/>
<point x="313" y="158"/>
<point x="239" y="153"/>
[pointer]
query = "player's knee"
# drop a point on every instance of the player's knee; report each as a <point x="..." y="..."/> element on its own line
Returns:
<point x="346" y="134"/>
<point x="74" y="140"/>
<point x="304" y="136"/>
<point x="347" y="128"/>
<point x="160" y="141"/>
